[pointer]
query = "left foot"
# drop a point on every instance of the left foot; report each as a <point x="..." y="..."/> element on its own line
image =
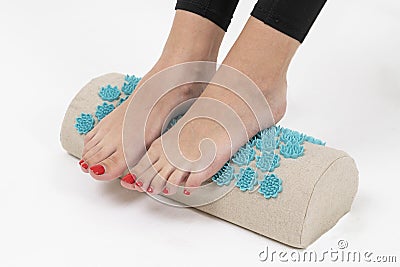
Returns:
<point x="192" y="38"/>
<point x="261" y="53"/>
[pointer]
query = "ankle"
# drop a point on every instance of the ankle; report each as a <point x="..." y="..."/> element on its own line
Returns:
<point x="276" y="95"/>
<point x="264" y="55"/>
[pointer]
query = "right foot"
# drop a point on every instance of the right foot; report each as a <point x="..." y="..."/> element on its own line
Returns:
<point x="250" y="99"/>
<point x="192" y="38"/>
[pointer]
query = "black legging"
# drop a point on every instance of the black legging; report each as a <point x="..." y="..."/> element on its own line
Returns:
<point x="291" y="17"/>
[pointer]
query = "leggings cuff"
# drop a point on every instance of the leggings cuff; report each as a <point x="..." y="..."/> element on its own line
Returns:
<point x="294" y="21"/>
<point x="204" y="11"/>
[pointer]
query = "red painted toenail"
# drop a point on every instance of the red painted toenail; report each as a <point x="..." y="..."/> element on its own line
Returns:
<point x="165" y="191"/>
<point x="98" y="169"/>
<point x="129" y="178"/>
<point x="81" y="161"/>
<point x="139" y="183"/>
<point x="150" y="189"/>
<point x="186" y="192"/>
<point x="85" y="166"/>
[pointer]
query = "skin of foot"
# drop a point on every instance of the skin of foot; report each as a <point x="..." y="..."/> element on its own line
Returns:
<point x="192" y="38"/>
<point x="260" y="52"/>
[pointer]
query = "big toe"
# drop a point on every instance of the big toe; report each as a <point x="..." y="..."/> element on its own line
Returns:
<point x="195" y="180"/>
<point x="110" y="168"/>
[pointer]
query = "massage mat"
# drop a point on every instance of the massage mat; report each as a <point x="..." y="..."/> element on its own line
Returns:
<point x="291" y="189"/>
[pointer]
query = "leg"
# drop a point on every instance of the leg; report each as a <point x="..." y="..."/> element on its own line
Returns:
<point x="261" y="52"/>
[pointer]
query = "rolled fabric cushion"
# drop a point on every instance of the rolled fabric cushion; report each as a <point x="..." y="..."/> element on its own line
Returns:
<point x="292" y="193"/>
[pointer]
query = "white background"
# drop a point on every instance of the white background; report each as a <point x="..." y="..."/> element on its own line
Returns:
<point x="344" y="87"/>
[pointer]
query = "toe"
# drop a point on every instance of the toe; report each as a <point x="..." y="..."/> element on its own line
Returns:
<point x="144" y="180"/>
<point x="175" y="179"/>
<point x="144" y="169"/>
<point x="145" y="163"/>
<point x="100" y="155"/>
<point x="90" y="135"/>
<point x="91" y="144"/>
<point x="92" y="152"/>
<point x="110" y="168"/>
<point x="159" y="181"/>
<point x="195" y="180"/>
<point x="128" y="181"/>
<point x="84" y="166"/>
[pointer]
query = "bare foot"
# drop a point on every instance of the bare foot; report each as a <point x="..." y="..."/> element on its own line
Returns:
<point x="261" y="53"/>
<point x="192" y="38"/>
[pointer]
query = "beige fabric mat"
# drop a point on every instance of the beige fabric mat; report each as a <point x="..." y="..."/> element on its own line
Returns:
<point x="318" y="188"/>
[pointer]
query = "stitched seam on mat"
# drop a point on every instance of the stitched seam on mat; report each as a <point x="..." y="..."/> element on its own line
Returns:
<point x="308" y="202"/>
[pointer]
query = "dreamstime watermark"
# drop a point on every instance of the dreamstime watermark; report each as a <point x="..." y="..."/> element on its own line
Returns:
<point x="341" y="253"/>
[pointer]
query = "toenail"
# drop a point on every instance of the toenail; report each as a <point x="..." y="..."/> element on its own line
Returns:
<point x="150" y="189"/>
<point x="165" y="191"/>
<point x="97" y="169"/>
<point x="186" y="192"/>
<point x="129" y="178"/>
<point x="139" y="183"/>
<point x="85" y="166"/>
<point x="81" y="161"/>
